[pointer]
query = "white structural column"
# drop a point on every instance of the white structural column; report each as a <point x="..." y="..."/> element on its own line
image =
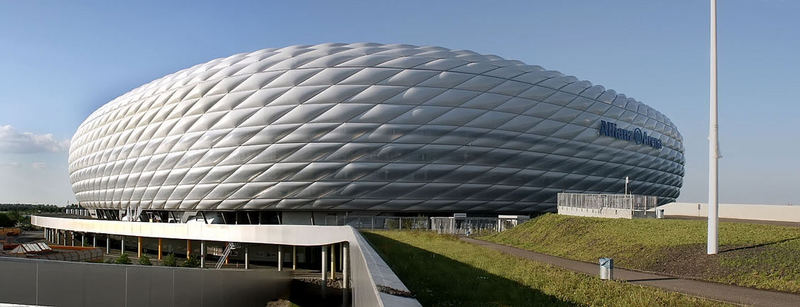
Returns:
<point x="713" y="143"/>
<point x="294" y="257"/>
<point x="324" y="263"/>
<point x="246" y="258"/>
<point x="94" y="240"/>
<point x="108" y="244"/>
<point x="122" y="245"/>
<point x="83" y="239"/>
<point x="202" y="254"/>
<point x="345" y="265"/>
<point x="280" y="258"/>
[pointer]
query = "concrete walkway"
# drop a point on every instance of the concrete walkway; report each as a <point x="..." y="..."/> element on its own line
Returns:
<point x="715" y="291"/>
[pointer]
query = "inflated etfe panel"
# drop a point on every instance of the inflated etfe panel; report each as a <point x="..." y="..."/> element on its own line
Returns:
<point x="369" y="127"/>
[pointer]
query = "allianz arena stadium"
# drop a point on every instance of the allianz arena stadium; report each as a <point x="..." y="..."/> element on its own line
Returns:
<point x="375" y="128"/>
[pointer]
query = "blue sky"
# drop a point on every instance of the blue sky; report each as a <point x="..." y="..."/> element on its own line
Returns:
<point x="61" y="60"/>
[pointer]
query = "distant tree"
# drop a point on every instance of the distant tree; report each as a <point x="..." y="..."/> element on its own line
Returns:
<point x="15" y="216"/>
<point x="170" y="260"/>
<point x="123" y="259"/>
<point x="144" y="260"/>
<point x="6" y="221"/>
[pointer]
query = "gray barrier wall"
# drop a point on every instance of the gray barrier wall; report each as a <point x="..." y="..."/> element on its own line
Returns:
<point x="60" y="283"/>
<point x="369" y="273"/>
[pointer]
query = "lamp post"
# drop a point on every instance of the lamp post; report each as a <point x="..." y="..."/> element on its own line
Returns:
<point x="713" y="142"/>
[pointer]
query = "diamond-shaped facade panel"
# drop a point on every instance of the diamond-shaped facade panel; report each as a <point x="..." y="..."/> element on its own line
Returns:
<point x="364" y="126"/>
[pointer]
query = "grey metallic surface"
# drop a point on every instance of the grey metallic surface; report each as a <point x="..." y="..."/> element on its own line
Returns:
<point x="64" y="283"/>
<point x="367" y="127"/>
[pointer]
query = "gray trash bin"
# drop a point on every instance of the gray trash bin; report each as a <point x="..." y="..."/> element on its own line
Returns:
<point x="606" y="268"/>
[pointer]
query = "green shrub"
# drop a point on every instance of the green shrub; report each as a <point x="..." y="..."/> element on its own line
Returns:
<point x="192" y="262"/>
<point x="144" y="260"/>
<point x="170" y="260"/>
<point x="123" y="259"/>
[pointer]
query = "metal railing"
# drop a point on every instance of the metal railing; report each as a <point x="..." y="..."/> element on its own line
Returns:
<point x="607" y="205"/>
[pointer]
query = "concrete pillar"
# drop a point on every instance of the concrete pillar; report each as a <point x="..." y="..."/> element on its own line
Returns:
<point x="345" y="265"/>
<point x="333" y="261"/>
<point x="294" y="258"/>
<point x="94" y="240"/>
<point x="246" y="258"/>
<point x="139" y="247"/>
<point x="108" y="244"/>
<point x="280" y="258"/>
<point x="55" y="232"/>
<point x="83" y="239"/>
<point x="159" y="249"/>
<point x="188" y="248"/>
<point x="72" y="238"/>
<point x="202" y="254"/>
<point x="324" y="262"/>
<point x="122" y="245"/>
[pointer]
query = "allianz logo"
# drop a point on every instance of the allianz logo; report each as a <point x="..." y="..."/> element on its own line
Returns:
<point x="636" y="135"/>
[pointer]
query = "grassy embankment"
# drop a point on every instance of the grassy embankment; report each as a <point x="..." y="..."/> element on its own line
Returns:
<point x="752" y="255"/>
<point x="444" y="271"/>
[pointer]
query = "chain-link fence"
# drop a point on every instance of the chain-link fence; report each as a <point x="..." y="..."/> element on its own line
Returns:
<point x="475" y="225"/>
<point x="450" y="225"/>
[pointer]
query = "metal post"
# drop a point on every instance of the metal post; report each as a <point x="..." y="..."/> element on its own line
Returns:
<point x="139" y="248"/>
<point x="94" y="240"/>
<point x="72" y="238"/>
<point x="108" y="245"/>
<point x="202" y="254"/>
<point x="333" y="261"/>
<point x="626" y="185"/>
<point x="713" y="142"/>
<point x="246" y="258"/>
<point x="122" y="245"/>
<point x="83" y="239"/>
<point x="324" y="263"/>
<point x="280" y="258"/>
<point x="345" y="265"/>
<point x="159" y="249"/>
<point x="294" y="258"/>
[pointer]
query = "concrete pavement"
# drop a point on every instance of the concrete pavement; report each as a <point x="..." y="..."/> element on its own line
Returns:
<point x="711" y="290"/>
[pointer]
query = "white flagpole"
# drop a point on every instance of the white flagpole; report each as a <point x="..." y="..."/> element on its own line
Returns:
<point x="713" y="143"/>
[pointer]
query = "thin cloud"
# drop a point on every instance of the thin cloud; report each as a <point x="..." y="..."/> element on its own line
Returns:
<point x="9" y="164"/>
<point x="14" y="141"/>
<point x="39" y="165"/>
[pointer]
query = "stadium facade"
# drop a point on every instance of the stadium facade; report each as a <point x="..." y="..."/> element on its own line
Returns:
<point x="368" y="128"/>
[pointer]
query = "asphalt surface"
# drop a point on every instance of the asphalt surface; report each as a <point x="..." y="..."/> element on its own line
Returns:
<point x="710" y="290"/>
<point x="778" y="223"/>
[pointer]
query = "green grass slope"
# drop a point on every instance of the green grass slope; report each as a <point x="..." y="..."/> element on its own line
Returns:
<point x="444" y="271"/>
<point x="753" y="255"/>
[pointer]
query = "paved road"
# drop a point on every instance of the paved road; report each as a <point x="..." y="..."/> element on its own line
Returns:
<point x="778" y="223"/>
<point x="727" y="293"/>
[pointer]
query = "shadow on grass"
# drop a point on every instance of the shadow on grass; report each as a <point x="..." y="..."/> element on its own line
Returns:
<point x="758" y="245"/>
<point x="437" y="280"/>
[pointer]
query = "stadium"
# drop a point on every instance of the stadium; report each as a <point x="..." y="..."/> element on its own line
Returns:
<point x="283" y="135"/>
